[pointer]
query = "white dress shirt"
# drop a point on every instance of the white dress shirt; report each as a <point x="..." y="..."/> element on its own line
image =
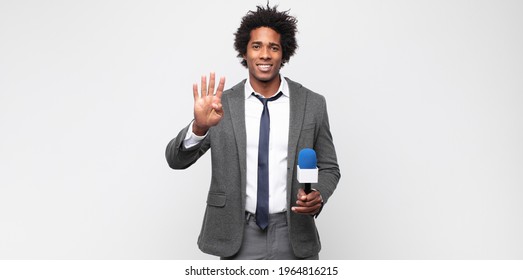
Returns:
<point x="279" y="113"/>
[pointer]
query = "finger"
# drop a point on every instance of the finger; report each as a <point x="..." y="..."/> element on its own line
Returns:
<point x="305" y="210"/>
<point x="308" y="209"/>
<point x="195" y="91"/>
<point x="221" y="86"/>
<point x="204" y="86"/>
<point x="308" y="203"/>
<point x="313" y="195"/>
<point x="308" y="197"/>
<point x="301" y="193"/>
<point x="217" y="107"/>
<point x="211" y="84"/>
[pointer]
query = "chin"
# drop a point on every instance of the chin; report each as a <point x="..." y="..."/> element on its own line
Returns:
<point x="266" y="78"/>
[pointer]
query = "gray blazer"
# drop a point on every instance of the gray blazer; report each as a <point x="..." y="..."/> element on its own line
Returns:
<point x="224" y="220"/>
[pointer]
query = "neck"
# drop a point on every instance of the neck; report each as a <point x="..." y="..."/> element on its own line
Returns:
<point x="268" y="88"/>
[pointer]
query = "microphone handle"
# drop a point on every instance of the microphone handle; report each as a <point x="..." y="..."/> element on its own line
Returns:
<point x="307" y="188"/>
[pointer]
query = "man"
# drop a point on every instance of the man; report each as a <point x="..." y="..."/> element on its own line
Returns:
<point x="256" y="209"/>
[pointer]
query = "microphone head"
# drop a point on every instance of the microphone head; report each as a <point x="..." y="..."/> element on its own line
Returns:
<point x="307" y="159"/>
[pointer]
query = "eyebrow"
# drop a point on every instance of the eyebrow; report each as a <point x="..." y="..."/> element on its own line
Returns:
<point x="270" y="44"/>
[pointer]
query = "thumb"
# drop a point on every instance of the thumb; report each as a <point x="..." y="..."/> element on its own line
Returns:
<point x="301" y="194"/>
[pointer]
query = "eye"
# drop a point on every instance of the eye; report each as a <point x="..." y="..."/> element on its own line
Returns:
<point x="275" y="49"/>
<point x="255" y="47"/>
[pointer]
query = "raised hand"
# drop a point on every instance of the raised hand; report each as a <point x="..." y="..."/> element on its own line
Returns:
<point x="208" y="110"/>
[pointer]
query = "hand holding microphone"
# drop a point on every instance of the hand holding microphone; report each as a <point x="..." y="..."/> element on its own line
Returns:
<point x="309" y="201"/>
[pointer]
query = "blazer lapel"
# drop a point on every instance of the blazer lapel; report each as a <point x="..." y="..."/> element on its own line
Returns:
<point x="298" y="99"/>
<point x="236" y="102"/>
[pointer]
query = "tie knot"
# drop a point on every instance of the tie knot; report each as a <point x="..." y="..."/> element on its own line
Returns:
<point x="265" y="100"/>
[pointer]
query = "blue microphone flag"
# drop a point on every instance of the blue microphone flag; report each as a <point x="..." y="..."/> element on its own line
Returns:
<point x="307" y="159"/>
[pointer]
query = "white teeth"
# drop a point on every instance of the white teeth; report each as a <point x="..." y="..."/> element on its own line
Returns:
<point x="264" y="67"/>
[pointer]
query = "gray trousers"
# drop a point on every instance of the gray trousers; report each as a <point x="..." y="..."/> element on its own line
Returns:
<point x="273" y="243"/>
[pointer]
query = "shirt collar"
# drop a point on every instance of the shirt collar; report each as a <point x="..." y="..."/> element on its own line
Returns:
<point x="284" y="88"/>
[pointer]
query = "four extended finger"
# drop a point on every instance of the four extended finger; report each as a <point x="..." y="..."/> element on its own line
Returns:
<point x="195" y="91"/>
<point x="221" y="86"/>
<point x="211" y="84"/>
<point x="204" y="86"/>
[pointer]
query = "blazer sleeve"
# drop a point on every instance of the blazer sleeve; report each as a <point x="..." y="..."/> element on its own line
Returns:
<point x="178" y="157"/>
<point x="328" y="169"/>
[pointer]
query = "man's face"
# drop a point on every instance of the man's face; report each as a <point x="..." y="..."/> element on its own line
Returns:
<point x="264" y="55"/>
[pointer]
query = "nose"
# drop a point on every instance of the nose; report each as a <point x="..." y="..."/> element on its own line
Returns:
<point x="265" y="53"/>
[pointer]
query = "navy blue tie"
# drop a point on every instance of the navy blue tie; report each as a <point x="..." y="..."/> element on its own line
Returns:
<point x="262" y="203"/>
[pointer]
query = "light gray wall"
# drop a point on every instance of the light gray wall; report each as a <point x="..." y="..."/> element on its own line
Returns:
<point x="425" y="100"/>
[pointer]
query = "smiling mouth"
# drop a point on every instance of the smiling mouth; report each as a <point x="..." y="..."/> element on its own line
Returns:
<point x="264" y="67"/>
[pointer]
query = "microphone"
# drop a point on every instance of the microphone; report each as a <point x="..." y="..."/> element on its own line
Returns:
<point x="307" y="169"/>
